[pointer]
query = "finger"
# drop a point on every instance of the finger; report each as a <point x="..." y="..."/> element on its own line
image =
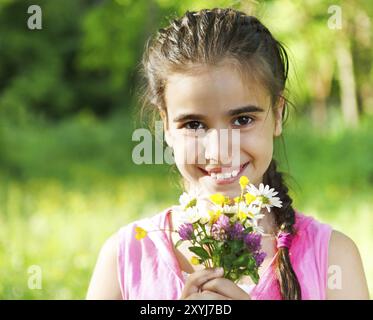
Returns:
<point x="207" y="295"/>
<point x="198" y="278"/>
<point x="227" y="288"/>
<point x="210" y="295"/>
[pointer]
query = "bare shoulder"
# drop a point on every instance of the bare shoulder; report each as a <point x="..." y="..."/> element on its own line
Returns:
<point x="346" y="277"/>
<point x="110" y="246"/>
<point x="104" y="283"/>
<point x="339" y="242"/>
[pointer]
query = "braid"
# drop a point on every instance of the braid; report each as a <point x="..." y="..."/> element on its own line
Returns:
<point x="285" y="220"/>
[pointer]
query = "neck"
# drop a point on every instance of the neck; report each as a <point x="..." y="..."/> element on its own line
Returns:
<point x="268" y="223"/>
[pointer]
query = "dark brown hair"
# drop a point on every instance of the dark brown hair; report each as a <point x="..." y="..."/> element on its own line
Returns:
<point x="209" y="37"/>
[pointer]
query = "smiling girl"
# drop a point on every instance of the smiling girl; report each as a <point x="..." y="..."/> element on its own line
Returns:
<point x="210" y="71"/>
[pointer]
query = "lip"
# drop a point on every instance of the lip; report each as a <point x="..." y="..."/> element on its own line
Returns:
<point x="225" y="181"/>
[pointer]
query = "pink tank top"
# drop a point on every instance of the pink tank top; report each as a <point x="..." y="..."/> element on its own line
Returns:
<point x="148" y="269"/>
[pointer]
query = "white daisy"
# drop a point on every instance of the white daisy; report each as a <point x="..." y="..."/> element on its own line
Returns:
<point x="229" y="208"/>
<point x="189" y="215"/>
<point x="186" y="198"/>
<point x="253" y="207"/>
<point x="258" y="229"/>
<point x="254" y="224"/>
<point x="265" y="196"/>
<point x="251" y="212"/>
<point x="202" y="207"/>
<point x="192" y="208"/>
<point x="255" y="218"/>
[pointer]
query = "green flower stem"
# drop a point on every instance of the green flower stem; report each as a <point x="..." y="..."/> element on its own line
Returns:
<point x="211" y="250"/>
<point x="239" y="202"/>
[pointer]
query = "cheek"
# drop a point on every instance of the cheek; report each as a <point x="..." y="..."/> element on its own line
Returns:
<point x="185" y="159"/>
<point x="185" y="150"/>
<point x="259" y="147"/>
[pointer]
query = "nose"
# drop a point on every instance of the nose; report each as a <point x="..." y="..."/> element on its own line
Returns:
<point x="217" y="145"/>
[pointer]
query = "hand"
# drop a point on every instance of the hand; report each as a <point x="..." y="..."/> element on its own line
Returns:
<point x="226" y="288"/>
<point x="208" y="284"/>
<point x="192" y="288"/>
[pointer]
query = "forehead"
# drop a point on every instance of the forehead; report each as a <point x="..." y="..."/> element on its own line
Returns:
<point x="215" y="88"/>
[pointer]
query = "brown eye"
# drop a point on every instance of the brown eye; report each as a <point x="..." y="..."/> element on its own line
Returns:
<point x="194" y="125"/>
<point x="242" y="121"/>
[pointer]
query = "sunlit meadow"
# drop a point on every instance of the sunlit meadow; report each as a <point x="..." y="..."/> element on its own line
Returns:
<point x="59" y="224"/>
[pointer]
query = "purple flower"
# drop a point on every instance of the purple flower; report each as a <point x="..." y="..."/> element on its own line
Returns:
<point x="223" y="222"/>
<point x="236" y="231"/>
<point x="259" y="258"/>
<point x="252" y="241"/>
<point x="218" y="233"/>
<point x="186" y="231"/>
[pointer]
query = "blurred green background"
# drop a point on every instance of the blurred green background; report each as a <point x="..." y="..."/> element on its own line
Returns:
<point x="68" y="108"/>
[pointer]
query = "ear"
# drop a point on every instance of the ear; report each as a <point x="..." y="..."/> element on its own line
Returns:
<point x="167" y="135"/>
<point x="278" y="116"/>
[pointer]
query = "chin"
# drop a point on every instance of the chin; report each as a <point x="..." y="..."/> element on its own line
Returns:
<point x="227" y="190"/>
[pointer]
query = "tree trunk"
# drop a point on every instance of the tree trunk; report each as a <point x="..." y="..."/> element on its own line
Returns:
<point x="319" y="113"/>
<point x="347" y="83"/>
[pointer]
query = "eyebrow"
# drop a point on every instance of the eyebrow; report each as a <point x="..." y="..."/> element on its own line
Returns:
<point x="232" y="112"/>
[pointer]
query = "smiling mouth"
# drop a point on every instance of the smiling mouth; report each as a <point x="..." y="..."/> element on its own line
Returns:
<point x="227" y="175"/>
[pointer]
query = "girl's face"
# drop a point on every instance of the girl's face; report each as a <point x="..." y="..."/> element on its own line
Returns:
<point x="199" y="106"/>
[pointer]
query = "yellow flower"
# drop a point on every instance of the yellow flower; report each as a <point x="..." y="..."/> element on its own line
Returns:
<point x="241" y="216"/>
<point x="249" y="198"/>
<point x="244" y="181"/>
<point x="250" y="215"/>
<point x="194" y="260"/>
<point x="237" y="199"/>
<point x="140" y="233"/>
<point x="214" y="215"/>
<point x="218" y="199"/>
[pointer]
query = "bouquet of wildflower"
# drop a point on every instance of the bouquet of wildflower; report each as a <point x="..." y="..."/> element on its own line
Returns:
<point x="226" y="232"/>
<point x="227" y="235"/>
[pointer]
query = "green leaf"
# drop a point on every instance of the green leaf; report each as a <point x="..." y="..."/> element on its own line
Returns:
<point x="236" y="245"/>
<point x="202" y="253"/>
<point x="251" y="263"/>
<point x="178" y="243"/>
<point x="206" y="240"/>
<point x="227" y="260"/>
<point x="219" y="245"/>
<point x="242" y="260"/>
<point x="255" y="277"/>
<point x="234" y="276"/>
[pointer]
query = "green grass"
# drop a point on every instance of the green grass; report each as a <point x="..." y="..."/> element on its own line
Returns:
<point x="61" y="229"/>
<point x="67" y="187"/>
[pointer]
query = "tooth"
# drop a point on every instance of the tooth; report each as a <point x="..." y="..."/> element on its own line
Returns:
<point x="227" y="175"/>
<point x="213" y="175"/>
<point x="234" y="173"/>
<point x="220" y="176"/>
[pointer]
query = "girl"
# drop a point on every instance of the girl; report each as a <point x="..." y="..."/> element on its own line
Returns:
<point x="211" y="70"/>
